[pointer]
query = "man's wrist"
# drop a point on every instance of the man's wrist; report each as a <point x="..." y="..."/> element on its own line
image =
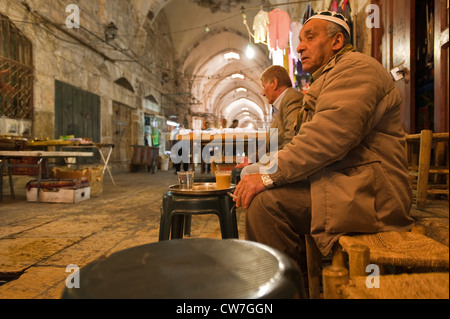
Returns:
<point x="267" y="181"/>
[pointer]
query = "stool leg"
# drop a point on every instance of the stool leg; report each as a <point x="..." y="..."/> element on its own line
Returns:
<point x="1" y="180"/>
<point x="358" y="258"/>
<point x="166" y="219"/>
<point x="334" y="279"/>
<point x="227" y="218"/>
<point x="424" y="167"/>
<point x="314" y="264"/>
<point x="11" y="183"/>
<point x="234" y="227"/>
<point x="187" y="225"/>
<point x="177" y="226"/>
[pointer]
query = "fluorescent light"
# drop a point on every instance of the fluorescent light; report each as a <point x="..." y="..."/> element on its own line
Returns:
<point x="244" y="109"/>
<point x="232" y="55"/>
<point x="171" y="123"/>
<point x="237" y="76"/>
<point x="241" y="90"/>
<point x="246" y="113"/>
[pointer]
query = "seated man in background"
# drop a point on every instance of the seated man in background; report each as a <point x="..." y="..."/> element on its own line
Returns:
<point x="345" y="171"/>
<point x="286" y="104"/>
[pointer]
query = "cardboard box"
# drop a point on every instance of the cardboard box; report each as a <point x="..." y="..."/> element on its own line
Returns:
<point x="93" y="174"/>
<point x="54" y="194"/>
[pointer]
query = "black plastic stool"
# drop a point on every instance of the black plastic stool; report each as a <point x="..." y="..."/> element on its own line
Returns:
<point x="197" y="268"/>
<point x="175" y="207"/>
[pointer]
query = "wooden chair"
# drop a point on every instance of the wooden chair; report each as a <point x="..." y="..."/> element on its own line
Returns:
<point x="427" y="154"/>
<point x="404" y="286"/>
<point x="402" y="249"/>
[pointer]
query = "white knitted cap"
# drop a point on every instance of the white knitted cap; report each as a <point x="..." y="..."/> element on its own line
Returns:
<point x="331" y="18"/>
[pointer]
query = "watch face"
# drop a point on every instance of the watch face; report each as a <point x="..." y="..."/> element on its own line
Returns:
<point x="267" y="180"/>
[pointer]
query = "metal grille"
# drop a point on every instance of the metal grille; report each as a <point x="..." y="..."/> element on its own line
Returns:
<point x="16" y="94"/>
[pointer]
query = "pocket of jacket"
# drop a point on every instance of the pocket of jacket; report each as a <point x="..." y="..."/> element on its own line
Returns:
<point x="350" y="200"/>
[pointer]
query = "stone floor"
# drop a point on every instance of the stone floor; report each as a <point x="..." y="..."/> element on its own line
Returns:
<point x="38" y="241"/>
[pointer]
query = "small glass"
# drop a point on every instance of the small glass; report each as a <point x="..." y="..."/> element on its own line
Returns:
<point x="186" y="180"/>
<point x="223" y="179"/>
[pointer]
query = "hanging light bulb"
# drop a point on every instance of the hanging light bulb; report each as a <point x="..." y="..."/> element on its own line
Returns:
<point x="207" y="28"/>
<point x="250" y="51"/>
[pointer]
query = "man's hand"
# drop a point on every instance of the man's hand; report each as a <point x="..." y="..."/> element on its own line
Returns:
<point x="248" y="187"/>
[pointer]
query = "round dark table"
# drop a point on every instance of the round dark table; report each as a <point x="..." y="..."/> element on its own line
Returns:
<point x="191" y="269"/>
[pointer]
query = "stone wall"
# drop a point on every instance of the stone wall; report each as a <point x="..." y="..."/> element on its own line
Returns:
<point x="82" y="57"/>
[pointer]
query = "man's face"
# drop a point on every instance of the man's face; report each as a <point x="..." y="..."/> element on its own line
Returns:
<point x="315" y="48"/>
<point x="269" y="91"/>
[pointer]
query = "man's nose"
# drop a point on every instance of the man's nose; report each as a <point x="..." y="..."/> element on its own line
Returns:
<point x="300" y="48"/>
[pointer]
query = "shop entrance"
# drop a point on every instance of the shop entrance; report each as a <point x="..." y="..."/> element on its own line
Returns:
<point x="122" y="133"/>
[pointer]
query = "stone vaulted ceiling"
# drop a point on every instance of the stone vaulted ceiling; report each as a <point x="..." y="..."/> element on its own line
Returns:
<point x="202" y="31"/>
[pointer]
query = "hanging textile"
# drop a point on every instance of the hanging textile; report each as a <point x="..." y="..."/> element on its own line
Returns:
<point x="308" y="12"/>
<point x="299" y="67"/>
<point x="345" y="9"/>
<point x="334" y="6"/>
<point x="291" y="67"/>
<point x="296" y="27"/>
<point x="260" y="26"/>
<point x="277" y="57"/>
<point x="278" y="29"/>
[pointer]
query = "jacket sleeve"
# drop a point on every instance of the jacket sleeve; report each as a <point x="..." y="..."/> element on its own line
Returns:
<point x="345" y="104"/>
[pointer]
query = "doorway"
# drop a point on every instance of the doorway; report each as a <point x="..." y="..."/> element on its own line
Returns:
<point x="424" y="52"/>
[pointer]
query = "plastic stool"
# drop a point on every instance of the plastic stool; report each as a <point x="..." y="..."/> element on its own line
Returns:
<point x="175" y="207"/>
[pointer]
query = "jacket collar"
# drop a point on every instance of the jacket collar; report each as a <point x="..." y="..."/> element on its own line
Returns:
<point x="332" y="62"/>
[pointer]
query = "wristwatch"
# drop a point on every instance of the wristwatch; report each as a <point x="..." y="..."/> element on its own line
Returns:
<point x="267" y="181"/>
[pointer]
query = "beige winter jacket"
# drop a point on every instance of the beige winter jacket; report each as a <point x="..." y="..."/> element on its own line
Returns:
<point x="351" y="147"/>
<point x="286" y="118"/>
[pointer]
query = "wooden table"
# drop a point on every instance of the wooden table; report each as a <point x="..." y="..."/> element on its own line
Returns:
<point x="40" y="155"/>
<point x="78" y="145"/>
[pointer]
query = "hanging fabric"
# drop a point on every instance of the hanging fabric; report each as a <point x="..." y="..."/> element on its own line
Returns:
<point x="277" y="57"/>
<point x="278" y="29"/>
<point x="296" y="27"/>
<point x="291" y="67"/>
<point x="260" y="26"/>
<point x="334" y="6"/>
<point x="299" y="67"/>
<point x="308" y="12"/>
<point x="345" y="9"/>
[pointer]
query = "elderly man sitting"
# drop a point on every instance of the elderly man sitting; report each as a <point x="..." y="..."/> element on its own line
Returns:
<point x="345" y="170"/>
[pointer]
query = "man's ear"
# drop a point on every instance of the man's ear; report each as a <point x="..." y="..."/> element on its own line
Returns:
<point x="338" y="42"/>
<point x="275" y="83"/>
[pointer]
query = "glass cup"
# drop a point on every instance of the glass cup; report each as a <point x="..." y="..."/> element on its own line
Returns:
<point x="223" y="179"/>
<point x="186" y="180"/>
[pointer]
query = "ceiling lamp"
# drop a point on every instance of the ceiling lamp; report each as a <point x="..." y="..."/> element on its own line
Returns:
<point x="241" y="90"/>
<point x="237" y="76"/>
<point x="250" y="53"/>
